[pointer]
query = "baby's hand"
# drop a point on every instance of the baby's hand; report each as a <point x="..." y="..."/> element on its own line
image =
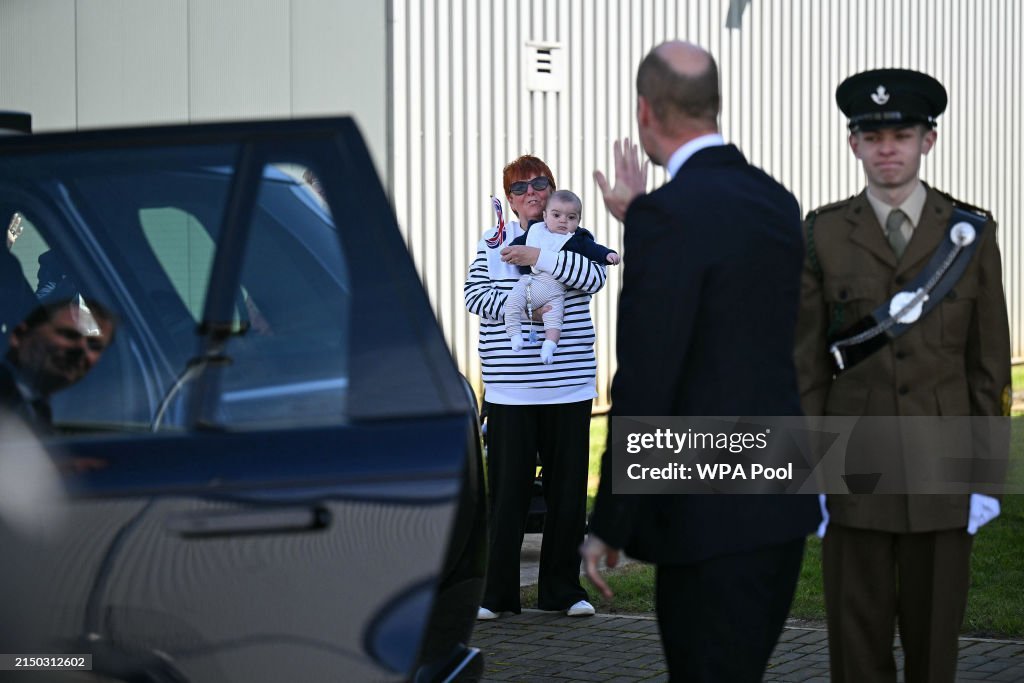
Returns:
<point x="613" y="258"/>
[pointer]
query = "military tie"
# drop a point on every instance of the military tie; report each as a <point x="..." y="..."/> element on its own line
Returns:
<point x="893" y="232"/>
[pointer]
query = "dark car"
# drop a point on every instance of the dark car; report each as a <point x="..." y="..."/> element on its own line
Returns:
<point x="274" y="472"/>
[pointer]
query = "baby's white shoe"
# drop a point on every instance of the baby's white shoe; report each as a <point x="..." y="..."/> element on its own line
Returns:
<point x="547" y="351"/>
<point x="517" y="342"/>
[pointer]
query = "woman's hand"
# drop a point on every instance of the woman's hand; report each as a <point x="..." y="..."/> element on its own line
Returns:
<point x="520" y="256"/>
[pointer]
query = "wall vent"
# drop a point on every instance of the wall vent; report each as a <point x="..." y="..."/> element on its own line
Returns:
<point x="545" y="67"/>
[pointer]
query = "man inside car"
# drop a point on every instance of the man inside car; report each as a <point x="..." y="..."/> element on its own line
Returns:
<point x="53" y="348"/>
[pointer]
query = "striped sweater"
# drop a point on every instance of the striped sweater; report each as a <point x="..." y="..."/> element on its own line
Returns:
<point x="487" y="286"/>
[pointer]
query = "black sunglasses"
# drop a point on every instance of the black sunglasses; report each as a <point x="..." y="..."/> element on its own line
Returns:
<point x="540" y="183"/>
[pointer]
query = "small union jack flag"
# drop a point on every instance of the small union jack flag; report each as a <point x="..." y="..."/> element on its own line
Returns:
<point x="499" y="236"/>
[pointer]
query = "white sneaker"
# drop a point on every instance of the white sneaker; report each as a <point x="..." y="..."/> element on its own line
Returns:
<point x="484" y="614"/>
<point x="580" y="609"/>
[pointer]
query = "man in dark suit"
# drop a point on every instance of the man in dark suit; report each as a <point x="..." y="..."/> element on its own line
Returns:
<point x="54" y="347"/>
<point x="707" y="314"/>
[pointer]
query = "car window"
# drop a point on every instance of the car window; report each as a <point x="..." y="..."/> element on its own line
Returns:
<point x="235" y="289"/>
<point x="291" y="363"/>
<point x="286" y="361"/>
<point x="99" y="213"/>
<point x="184" y="248"/>
<point x="28" y="246"/>
<point x="140" y="235"/>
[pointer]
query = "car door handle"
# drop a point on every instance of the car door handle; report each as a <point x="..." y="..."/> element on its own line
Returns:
<point x="263" y="521"/>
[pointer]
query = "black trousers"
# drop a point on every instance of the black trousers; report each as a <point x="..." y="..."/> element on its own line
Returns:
<point x="515" y="435"/>
<point x="720" y="618"/>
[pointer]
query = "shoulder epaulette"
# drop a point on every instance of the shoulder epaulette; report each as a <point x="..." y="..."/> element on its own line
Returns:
<point x="963" y="204"/>
<point x="811" y="246"/>
<point x="829" y="207"/>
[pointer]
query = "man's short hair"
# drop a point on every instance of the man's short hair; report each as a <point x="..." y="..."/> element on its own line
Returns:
<point x="44" y="313"/>
<point x="568" y="197"/>
<point x="674" y="97"/>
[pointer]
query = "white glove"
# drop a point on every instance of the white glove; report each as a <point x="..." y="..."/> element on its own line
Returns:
<point x="824" y="516"/>
<point x="983" y="510"/>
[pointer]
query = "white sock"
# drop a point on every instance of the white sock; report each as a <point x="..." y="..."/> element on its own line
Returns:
<point x="517" y="342"/>
<point x="547" y="351"/>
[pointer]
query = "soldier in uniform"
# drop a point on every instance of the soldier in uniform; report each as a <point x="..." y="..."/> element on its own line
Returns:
<point x="898" y="558"/>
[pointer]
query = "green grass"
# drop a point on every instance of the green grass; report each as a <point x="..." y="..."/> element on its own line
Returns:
<point x="1016" y="376"/>
<point x="633" y="586"/>
<point x="996" y="601"/>
<point x="995" y="605"/>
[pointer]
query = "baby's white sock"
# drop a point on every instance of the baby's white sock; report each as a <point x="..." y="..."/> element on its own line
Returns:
<point x="547" y="351"/>
<point x="517" y="342"/>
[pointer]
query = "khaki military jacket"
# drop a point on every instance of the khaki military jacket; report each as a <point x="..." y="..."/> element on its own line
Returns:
<point x="953" y="361"/>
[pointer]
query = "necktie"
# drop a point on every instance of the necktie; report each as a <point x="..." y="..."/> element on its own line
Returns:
<point x="893" y="232"/>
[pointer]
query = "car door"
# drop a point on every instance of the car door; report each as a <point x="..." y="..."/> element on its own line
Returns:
<point x="264" y="470"/>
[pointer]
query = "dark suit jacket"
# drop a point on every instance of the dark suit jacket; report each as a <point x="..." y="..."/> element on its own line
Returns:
<point x="38" y="414"/>
<point x="707" y="314"/>
<point x="10" y="397"/>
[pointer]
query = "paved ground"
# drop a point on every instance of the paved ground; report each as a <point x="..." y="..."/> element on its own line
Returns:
<point x="545" y="646"/>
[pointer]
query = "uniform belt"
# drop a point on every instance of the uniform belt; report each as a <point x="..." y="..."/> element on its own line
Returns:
<point x="906" y="308"/>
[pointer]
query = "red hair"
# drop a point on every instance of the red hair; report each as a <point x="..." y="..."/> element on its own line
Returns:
<point x="526" y="166"/>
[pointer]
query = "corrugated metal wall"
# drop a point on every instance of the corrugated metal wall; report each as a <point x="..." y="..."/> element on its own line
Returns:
<point x="462" y="109"/>
<point x="102" y="63"/>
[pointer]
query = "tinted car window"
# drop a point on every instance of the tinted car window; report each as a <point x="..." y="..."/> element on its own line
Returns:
<point x="292" y="363"/>
<point x="184" y="248"/>
<point x="28" y="247"/>
<point x="155" y="226"/>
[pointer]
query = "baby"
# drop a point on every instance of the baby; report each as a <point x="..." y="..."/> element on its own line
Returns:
<point x="560" y="230"/>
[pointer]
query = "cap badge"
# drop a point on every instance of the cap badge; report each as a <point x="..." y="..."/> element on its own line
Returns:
<point x="880" y="96"/>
